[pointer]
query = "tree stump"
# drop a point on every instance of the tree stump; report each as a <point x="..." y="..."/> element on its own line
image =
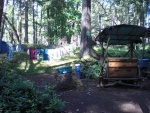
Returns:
<point x="68" y="81"/>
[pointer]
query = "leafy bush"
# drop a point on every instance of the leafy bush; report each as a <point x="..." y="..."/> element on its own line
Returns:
<point x="5" y="66"/>
<point x="91" y="69"/>
<point x="21" y="96"/>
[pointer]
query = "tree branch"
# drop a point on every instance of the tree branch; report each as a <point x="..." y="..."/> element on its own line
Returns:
<point x="106" y="12"/>
<point x="13" y="28"/>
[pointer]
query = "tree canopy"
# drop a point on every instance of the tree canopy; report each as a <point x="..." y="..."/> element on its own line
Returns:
<point x="48" y="21"/>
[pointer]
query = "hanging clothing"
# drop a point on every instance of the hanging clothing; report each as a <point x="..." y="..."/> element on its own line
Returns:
<point x="18" y="48"/>
<point x="3" y="47"/>
<point x="32" y="52"/>
<point x="45" y="54"/>
<point x="11" y="50"/>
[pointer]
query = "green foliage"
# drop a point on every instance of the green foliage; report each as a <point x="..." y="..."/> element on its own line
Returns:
<point x="27" y="46"/>
<point x="12" y="66"/>
<point x="9" y="10"/>
<point x="113" y="51"/>
<point x="6" y="66"/>
<point x="21" y="96"/>
<point x="147" y="51"/>
<point x="62" y="18"/>
<point x="117" y="51"/>
<point x="91" y="69"/>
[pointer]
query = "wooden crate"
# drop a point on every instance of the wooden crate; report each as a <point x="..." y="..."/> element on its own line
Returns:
<point x="122" y="67"/>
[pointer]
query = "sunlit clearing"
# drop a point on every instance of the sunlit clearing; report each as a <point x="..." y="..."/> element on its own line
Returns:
<point x="93" y="109"/>
<point x="130" y="108"/>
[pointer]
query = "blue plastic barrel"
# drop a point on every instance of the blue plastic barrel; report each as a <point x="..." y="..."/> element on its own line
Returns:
<point x="143" y="63"/>
<point x="78" y="70"/>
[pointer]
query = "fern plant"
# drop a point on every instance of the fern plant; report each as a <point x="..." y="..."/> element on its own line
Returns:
<point x="91" y="69"/>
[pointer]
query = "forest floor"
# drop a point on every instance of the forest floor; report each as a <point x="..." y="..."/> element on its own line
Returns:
<point x="92" y="99"/>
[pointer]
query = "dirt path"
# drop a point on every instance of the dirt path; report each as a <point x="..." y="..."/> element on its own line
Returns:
<point x="116" y="99"/>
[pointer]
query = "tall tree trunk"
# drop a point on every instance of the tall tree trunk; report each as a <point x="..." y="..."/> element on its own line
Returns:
<point x="13" y="28"/>
<point x="2" y="27"/>
<point x="48" y="24"/>
<point x="147" y="9"/>
<point x="36" y="25"/>
<point x="26" y="21"/>
<point x="36" y="29"/>
<point x="20" y="23"/>
<point x="127" y="13"/>
<point x="34" y="40"/>
<point x="86" y="41"/>
<point x="1" y="13"/>
<point x="3" y="19"/>
<point x="40" y="25"/>
<point x="85" y="29"/>
<point x="12" y="35"/>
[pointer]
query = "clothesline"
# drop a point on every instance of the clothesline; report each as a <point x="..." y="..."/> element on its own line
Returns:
<point x="50" y="54"/>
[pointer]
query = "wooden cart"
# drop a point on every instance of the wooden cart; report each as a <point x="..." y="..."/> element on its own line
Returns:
<point x="122" y="70"/>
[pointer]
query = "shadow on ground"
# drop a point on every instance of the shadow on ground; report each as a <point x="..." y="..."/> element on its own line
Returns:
<point x="91" y="99"/>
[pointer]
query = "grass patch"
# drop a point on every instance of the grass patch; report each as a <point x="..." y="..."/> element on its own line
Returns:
<point x="21" y="63"/>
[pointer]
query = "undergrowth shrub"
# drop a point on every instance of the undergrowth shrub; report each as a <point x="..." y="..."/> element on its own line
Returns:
<point x="19" y="57"/>
<point x="91" y="69"/>
<point x="6" y="66"/>
<point x="18" y="95"/>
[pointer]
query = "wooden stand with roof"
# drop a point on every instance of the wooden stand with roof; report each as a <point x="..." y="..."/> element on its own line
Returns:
<point x="122" y="70"/>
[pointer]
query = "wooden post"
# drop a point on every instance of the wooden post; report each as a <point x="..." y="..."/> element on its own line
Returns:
<point x="143" y="43"/>
<point x="102" y="59"/>
<point x="131" y="50"/>
<point x="101" y="68"/>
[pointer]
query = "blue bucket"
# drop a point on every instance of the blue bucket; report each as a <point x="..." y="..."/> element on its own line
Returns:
<point x="65" y="69"/>
<point x="78" y="70"/>
<point x="143" y="63"/>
